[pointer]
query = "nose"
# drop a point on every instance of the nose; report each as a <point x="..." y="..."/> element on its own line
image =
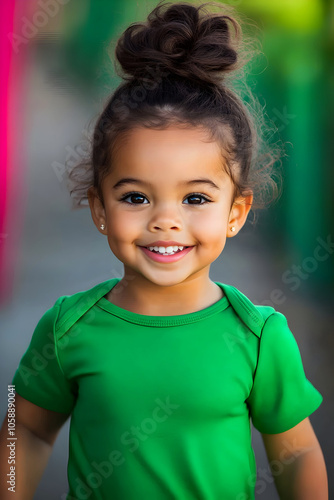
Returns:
<point x="165" y="217"/>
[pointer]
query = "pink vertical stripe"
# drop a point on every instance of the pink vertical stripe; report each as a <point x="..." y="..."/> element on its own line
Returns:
<point x="13" y="82"/>
<point x="6" y="26"/>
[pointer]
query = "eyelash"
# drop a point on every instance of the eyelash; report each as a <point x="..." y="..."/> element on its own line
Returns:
<point x="140" y="194"/>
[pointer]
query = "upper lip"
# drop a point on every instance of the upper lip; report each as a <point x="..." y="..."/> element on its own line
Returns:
<point x="165" y="244"/>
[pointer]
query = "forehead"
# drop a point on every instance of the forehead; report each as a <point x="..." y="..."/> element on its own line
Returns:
<point x="179" y="148"/>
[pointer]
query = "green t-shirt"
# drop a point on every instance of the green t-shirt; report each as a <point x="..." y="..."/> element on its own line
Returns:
<point x="161" y="405"/>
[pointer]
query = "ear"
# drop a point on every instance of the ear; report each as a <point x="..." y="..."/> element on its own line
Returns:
<point x="238" y="214"/>
<point x="96" y="209"/>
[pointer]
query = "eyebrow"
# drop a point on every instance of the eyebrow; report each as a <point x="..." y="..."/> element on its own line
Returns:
<point x="130" y="180"/>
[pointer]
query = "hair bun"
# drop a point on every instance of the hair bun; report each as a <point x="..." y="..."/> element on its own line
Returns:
<point x="184" y="40"/>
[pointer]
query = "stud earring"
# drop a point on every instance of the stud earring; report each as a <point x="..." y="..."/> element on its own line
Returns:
<point x="102" y="226"/>
<point x="232" y="228"/>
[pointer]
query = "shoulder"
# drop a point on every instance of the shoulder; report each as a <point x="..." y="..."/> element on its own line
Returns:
<point x="253" y="315"/>
<point x="68" y="309"/>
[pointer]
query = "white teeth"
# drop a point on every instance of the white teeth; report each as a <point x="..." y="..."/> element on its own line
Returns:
<point x="166" y="250"/>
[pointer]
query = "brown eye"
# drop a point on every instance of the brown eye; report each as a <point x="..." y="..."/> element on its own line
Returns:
<point x="137" y="199"/>
<point x="197" y="197"/>
<point x="133" y="196"/>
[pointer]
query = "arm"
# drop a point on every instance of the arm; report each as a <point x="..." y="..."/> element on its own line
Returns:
<point x="36" y="430"/>
<point x="303" y="471"/>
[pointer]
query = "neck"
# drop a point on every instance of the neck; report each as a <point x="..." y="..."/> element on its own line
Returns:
<point x="145" y="297"/>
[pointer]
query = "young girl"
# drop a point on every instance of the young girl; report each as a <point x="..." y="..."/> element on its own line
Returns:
<point x="162" y="370"/>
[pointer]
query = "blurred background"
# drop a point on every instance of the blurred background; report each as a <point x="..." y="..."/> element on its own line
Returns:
<point x="56" y="77"/>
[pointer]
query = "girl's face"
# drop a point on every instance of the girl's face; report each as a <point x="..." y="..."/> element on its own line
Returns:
<point x="168" y="186"/>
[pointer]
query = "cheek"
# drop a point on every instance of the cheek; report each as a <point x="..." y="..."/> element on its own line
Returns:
<point x="209" y="224"/>
<point x="123" y="226"/>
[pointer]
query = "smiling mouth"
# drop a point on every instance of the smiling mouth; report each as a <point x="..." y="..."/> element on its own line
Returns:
<point x="166" y="253"/>
<point x="166" y="257"/>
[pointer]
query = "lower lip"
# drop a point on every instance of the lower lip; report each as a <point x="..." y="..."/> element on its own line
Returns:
<point x="166" y="258"/>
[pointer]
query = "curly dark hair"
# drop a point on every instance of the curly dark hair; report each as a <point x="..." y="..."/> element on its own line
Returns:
<point x="185" y="66"/>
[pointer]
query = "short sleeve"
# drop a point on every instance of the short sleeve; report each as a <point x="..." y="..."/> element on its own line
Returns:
<point x="281" y="395"/>
<point x="39" y="377"/>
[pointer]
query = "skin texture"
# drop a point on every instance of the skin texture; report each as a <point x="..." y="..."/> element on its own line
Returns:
<point x="36" y="430"/>
<point x="166" y="159"/>
<point x="297" y="463"/>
